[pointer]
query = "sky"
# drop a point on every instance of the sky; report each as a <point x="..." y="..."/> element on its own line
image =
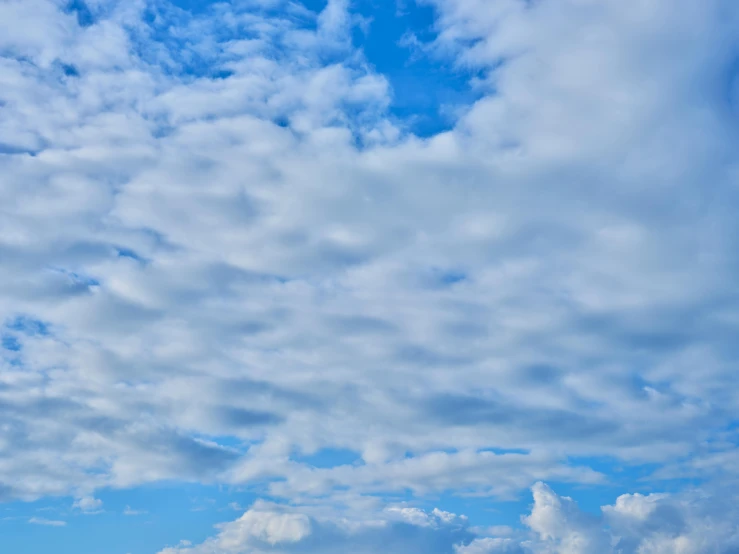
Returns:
<point x="369" y="276"/>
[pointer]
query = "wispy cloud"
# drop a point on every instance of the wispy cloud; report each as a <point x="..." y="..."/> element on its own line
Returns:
<point x="128" y="511"/>
<point x="48" y="522"/>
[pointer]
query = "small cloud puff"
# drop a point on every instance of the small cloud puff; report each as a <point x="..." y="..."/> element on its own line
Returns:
<point x="88" y="504"/>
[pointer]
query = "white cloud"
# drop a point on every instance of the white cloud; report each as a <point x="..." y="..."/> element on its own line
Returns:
<point x="273" y="528"/>
<point x="490" y="545"/>
<point x="266" y="527"/>
<point x="128" y="511"/>
<point x="47" y="522"/>
<point x="210" y="227"/>
<point x="88" y="504"/>
<point x="635" y="524"/>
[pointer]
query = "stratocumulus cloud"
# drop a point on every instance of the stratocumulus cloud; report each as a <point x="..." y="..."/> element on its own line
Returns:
<point x="223" y="256"/>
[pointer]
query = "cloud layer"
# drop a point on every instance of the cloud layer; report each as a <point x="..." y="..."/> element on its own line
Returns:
<point x="221" y="257"/>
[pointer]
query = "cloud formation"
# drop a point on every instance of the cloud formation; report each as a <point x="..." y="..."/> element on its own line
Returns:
<point x="88" y="504"/>
<point x="634" y="524"/>
<point x="271" y="528"/>
<point x="221" y="257"/>
<point x="47" y="522"/>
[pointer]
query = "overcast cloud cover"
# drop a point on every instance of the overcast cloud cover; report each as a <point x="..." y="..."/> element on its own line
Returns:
<point x="222" y="254"/>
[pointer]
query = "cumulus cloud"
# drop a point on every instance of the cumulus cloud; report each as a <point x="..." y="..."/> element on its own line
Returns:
<point x="212" y="229"/>
<point x="273" y="528"/>
<point x="88" y="504"/>
<point x="634" y="524"/>
<point x="689" y="523"/>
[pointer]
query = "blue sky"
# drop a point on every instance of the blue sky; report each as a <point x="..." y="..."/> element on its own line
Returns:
<point x="439" y="276"/>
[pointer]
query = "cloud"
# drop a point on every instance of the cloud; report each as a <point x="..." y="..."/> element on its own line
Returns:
<point x="491" y="545"/>
<point x="88" y="504"/>
<point x="272" y="528"/>
<point x="221" y="256"/>
<point x="47" y="522"/>
<point x="128" y="511"/>
<point x="634" y="524"/>
<point x="690" y="522"/>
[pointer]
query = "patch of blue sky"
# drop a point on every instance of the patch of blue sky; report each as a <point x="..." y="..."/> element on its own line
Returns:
<point x="82" y="10"/>
<point x="620" y="479"/>
<point x="79" y="279"/>
<point x="196" y="6"/>
<point x="729" y="88"/>
<point x="130" y="254"/>
<point x="12" y="149"/>
<point x="327" y="458"/>
<point x="9" y="342"/>
<point x="229" y="442"/>
<point x="29" y="326"/>
<point x="481" y="511"/>
<point x="426" y="89"/>
<point x="448" y="277"/>
<point x="70" y="70"/>
<point x="733" y="425"/>
<point x="134" y="521"/>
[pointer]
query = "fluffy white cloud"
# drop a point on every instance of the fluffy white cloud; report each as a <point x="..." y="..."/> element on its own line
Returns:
<point x="210" y="227"/>
<point x="273" y="528"/>
<point x="635" y="524"/>
<point x="265" y="527"/>
<point x="88" y="504"/>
